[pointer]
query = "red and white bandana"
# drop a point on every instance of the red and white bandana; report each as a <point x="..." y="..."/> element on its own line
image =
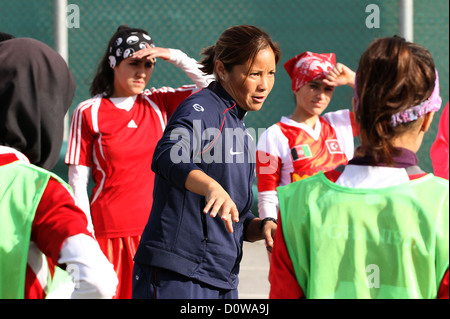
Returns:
<point x="309" y="66"/>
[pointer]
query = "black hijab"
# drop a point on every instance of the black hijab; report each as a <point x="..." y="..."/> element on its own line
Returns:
<point x="36" y="90"/>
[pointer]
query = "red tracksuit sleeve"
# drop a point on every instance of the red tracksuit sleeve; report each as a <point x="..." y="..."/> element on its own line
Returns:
<point x="283" y="282"/>
<point x="268" y="168"/>
<point x="57" y="218"/>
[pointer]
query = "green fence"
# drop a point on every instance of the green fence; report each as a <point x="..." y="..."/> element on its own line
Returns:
<point x="337" y="26"/>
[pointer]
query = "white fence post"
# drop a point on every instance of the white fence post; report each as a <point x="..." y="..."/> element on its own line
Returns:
<point x="61" y="43"/>
<point x="406" y="19"/>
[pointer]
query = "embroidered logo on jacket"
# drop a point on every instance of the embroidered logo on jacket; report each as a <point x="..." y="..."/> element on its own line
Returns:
<point x="198" y="108"/>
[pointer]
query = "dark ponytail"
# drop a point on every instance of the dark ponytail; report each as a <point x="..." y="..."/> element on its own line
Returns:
<point x="209" y="60"/>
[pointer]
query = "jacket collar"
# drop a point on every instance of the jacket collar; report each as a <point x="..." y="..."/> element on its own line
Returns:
<point x="404" y="159"/>
<point x="229" y="102"/>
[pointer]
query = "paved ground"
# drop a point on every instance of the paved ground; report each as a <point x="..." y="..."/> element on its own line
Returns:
<point x="253" y="277"/>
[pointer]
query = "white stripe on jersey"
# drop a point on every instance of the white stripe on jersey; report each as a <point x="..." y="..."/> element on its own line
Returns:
<point x="94" y="112"/>
<point x="155" y="107"/>
<point x="73" y="156"/>
<point x="102" y="182"/>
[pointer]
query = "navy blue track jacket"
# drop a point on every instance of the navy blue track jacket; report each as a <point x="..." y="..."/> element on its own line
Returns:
<point x="206" y="132"/>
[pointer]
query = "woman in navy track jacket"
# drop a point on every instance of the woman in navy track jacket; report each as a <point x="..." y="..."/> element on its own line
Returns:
<point x="205" y="164"/>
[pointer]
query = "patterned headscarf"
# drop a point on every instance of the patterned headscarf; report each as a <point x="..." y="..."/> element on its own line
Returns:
<point x="126" y="43"/>
<point x="309" y="66"/>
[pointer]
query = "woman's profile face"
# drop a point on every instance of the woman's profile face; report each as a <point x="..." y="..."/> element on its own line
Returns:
<point x="251" y="91"/>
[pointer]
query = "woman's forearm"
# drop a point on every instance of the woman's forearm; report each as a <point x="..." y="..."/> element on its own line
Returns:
<point x="218" y="201"/>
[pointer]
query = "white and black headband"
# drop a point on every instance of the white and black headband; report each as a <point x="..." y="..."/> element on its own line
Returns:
<point x="125" y="44"/>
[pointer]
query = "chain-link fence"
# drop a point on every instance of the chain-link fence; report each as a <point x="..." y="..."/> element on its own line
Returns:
<point x="343" y="27"/>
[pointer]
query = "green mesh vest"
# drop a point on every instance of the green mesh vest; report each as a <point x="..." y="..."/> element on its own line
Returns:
<point x="367" y="243"/>
<point x="21" y="189"/>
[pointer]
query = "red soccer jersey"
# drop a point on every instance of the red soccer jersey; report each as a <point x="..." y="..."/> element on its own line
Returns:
<point x="289" y="151"/>
<point x="303" y="151"/>
<point x="117" y="141"/>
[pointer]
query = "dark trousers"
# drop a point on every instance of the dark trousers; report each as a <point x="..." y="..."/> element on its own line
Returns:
<point x="158" y="283"/>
